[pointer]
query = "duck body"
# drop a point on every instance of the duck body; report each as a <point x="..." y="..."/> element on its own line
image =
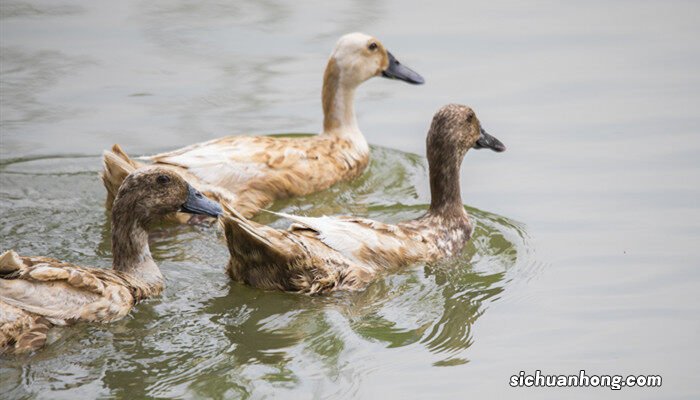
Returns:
<point x="323" y="254"/>
<point x="248" y="173"/>
<point x="66" y="293"/>
<point x="39" y="292"/>
<point x="42" y="292"/>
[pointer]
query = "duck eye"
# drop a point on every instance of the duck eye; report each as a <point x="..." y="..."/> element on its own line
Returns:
<point x="163" y="179"/>
<point x="372" y="46"/>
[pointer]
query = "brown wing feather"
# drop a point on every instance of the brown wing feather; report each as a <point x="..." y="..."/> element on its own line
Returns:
<point x="260" y="255"/>
<point x="296" y="260"/>
<point x="249" y="173"/>
<point x="34" y="337"/>
<point x="64" y="292"/>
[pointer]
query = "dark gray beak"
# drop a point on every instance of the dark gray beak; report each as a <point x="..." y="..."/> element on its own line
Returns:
<point x="396" y="70"/>
<point x="487" y="141"/>
<point x="197" y="203"/>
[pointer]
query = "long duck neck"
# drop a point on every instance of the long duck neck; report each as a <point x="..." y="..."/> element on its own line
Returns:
<point x="130" y="250"/>
<point x="445" y="196"/>
<point x="338" y="97"/>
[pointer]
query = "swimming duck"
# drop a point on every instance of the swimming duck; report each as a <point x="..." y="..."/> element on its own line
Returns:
<point x="317" y="255"/>
<point x="250" y="172"/>
<point x="38" y="292"/>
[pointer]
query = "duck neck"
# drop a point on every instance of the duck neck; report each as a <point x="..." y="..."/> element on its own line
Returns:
<point x="338" y="97"/>
<point x="130" y="250"/>
<point x="445" y="196"/>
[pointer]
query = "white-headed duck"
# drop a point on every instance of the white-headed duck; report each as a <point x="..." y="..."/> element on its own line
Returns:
<point x="250" y="172"/>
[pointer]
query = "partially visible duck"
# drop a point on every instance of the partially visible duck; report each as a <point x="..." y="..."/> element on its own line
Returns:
<point x="250" y="172"/>
<point x="324" y="254"/>
<point x="38" y="292"/>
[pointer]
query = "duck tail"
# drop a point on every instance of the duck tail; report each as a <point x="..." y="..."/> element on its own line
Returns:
<point x="10" y="262"/>
<point x="116" y="166"/>
<point x="245" y="238"/>
<point x="35" y="337"/>
<point x="20" y="331"/>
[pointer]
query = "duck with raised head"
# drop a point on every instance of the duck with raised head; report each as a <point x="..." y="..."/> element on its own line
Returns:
<point x="323" y="254"/>
<point x="250" y="172"/>
<point x="38" y="292"/>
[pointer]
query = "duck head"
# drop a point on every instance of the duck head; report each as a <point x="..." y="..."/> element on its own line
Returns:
<point x="455" y="129"/>
<point x="153" y="192"/>
<point x="359" y="57"/>
<point x="356" y="58"/>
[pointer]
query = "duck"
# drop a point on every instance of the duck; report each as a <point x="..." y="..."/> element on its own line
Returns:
<point x="251" y="172"/>
<point x="39" y="292"/>
<point x="324" y="254"/>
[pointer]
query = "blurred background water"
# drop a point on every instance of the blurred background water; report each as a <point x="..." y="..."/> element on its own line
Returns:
<point x="586" y="253"/>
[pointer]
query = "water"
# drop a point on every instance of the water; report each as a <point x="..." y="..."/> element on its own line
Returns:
<point x="585" y="255"/>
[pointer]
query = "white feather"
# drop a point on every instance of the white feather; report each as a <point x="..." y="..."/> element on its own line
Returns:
<point x="224" y="164"/>
<point x="343" y="236"/>
<point x="50" y="299"/>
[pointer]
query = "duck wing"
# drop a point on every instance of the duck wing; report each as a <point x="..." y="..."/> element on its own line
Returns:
<point x="362" y="240"/>
<point x="65" y="292"/>
<point x="265" y="257"/>
<point x="295" y="260"/>
<point x="233" y="160"/>
<point x="248" y="240"/>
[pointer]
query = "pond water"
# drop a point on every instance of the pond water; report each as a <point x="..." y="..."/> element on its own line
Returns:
<point x="586" y="250"/>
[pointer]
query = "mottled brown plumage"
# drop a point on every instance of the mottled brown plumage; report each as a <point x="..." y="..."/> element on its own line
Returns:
<point x="37" y="292"/>
<point x="317" y="255"/>
<point x="248" y="173"/>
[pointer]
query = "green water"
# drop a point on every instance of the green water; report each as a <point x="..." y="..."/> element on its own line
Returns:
<point x="585" y="253"/>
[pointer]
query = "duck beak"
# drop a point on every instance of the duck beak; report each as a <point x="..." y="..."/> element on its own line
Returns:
<point x="396" y="70"/>
<point x="487" y="141"/>
<point x="197" y="203"/>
